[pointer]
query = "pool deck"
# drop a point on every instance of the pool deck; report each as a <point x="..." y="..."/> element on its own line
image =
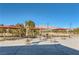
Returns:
<point x="53" y="46"/>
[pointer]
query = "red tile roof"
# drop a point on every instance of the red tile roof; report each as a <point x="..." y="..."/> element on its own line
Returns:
<point x="60" y="29"/>
<point x="42" y="28"/>
<point x="36" y="28"/>
<point x="12" y="27"/>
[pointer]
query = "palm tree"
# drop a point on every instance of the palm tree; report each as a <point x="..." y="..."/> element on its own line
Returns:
<point x="29" y="25"/>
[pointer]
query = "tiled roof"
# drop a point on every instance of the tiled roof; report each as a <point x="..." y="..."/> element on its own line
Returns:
<point x="39" y="28"/>
<point x="43" y="28"/>
<point x="13" y="27"/>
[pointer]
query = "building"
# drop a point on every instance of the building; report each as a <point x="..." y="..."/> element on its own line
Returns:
<point x="43" y="30"/>
<point x="7" y="30"/>
<point x="51" y="31"/>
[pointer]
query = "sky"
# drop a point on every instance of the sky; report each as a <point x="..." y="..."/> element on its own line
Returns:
<point x="51" y="14"/>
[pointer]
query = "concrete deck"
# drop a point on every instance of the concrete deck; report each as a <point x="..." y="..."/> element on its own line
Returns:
<point x="53" y="46"/>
